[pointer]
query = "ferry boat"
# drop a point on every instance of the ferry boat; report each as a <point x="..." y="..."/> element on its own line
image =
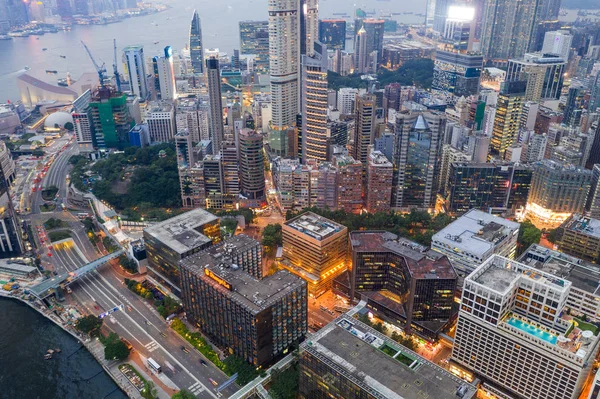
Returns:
<point x="51" y="71"/>
<point x="63" y="56"/>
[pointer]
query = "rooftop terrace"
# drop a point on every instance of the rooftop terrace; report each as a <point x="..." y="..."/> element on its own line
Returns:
<point x="315" y="226"/>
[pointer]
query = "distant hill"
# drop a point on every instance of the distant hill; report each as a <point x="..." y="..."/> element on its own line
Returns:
<point x="581" y="4"/>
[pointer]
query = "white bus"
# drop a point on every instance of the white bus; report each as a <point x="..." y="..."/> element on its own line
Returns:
<point x="153" y="365"/>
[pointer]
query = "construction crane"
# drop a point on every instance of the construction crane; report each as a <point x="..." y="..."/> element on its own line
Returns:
<point x="100" y="69"/>
<point x="115" y="70"/>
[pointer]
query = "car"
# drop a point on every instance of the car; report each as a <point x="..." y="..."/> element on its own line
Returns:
<point x="202" y="362"/>
<point x="215" y="383"/>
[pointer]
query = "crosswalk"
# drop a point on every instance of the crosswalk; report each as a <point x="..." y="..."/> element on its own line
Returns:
<point x="152" y="346"/>
<point x="196" y="388"/>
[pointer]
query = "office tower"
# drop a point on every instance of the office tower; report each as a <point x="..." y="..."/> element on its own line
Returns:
<point x="558" y="42"/>
<point x="457" y="73"/>
<point x="346" y="99"/>
<point x="254" y="40"/>
<point x="338" y="132"/>
<point x="543" y="74"/>
<point x="160" y="117"/>
<point x="251" y="166"/>
<point x="508" y="116"/>
<point x="314" y="104"/>
<point x="230" y="169"/>
<point x="364" y="127"/>
<point x="348" y="359"/>
<point x="392" y="97"/>
<point x="111" y="120"/>
<point x="12" y="13"/>
<point x="170" y="241"/>
<point x="165" y="75"/>
<point x="593" y="201"/>
<point x="374" y="29"/>
<point x="459" y="27"/>
<point x="416" y="159"/>
<point x="315" y="249"/>
<point x="557" y="191"/>
<point x="507" y="28"/>
<point x="196" y="46"/>
<point x="11" y="244"/>
<point x="580" y="237"/>
<point x="135" y="69"/>
<point x="514" y="316"/>
<point x="216" y="129"/>
<point x="361" y="56"/>
<point x="332" y="33"/>
<point x="418" y="296"/>
<point x="440" y="15"/>
<point x="378" y="190"/>
<point x="474" y="237"/>
<point x="255" y="318"/>
<point x="139" y="136"/>
<point x="349" y="183"/>
<point x="576" y="100"/>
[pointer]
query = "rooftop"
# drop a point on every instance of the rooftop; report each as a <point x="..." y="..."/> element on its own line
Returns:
<point x="476" y="231"/>
<point x="583" y="225"/>
<point x="180" y="233"/>
<point x="422" y="262"/>
<point x="497" y="278"/>
<point x="255" y="295"/>
<point x="315" y="226"/>
<point x="380" y="366"/>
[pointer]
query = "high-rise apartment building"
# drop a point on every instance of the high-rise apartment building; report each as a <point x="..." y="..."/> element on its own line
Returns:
<point x="575" y="106"/>
<point x="558" y="42"/>
<point x="508" y="116"/>
<point x="135" y="70"/>
<point x="315" y="248"/>
<point x="515" y="331"/>
<point x="457" y="73"/>
<point x="254" y="40"/>
<point x="251" y="166"/>
<point x="165" y="75"/>
<point x="314" y="104"/>
<point x="417" y="159"/>
<point x="543" y="74"/>
<point x="216" y="129"/>
<point x="474" y="237"/>
<point x="347" y="359"/>
<point x="255" y="318"/>
<point x="332" y="33"/>
<point x="349" y="183"/>
<point x="507" y="28"/>
<point x="160" y="117"/>
<point x="172" y="240"/>
<point x="378" y="190"/>
<point x="196" y="46"/>
<point x="345" y="100"/>
<point x="365" y="109"/>
<point x="557" y="191"/>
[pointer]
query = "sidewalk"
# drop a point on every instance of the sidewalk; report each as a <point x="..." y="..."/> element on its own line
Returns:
<point x="164" y="391"/>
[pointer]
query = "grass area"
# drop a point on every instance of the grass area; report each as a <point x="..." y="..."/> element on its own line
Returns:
<point x="59" y="235"/>
<point x="388" y="350"/>
<point x="585" y="326"/>
<point x="402" y="358"/>
<point x="54" y="223"/>
<point x="47" y="207"/>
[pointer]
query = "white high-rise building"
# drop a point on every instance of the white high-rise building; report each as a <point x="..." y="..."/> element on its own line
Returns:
<point x="135" y="69"/>
<point x="558" y="42"/>
<point x="160" y="118"/>
<point x="516" y="330"/>
<point x="345" y="100"/>
<point x="165" y="75"/>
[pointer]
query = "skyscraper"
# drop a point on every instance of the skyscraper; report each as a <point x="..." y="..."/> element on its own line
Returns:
<point x="251" y="166"/>
<point x="360" y="52"/>
<point x="165" y="75"/>
<point x="364" y="128"/>
<point x="508" y="116"/>
<point x="417" y="159"/>
<point x="378" y="192"/>
<point x="543" y="74"/>
<point x="160" y="118"/>
<point x="314" y="104"/>
<point x="135" y="69"/>
<point x="216" y="106"/>
<point x="332" y="32"/>
<point x="558" y="42"/>
<point x="374" y="29"/>
<point x="440" y="15"/>
<point x="457" y="73"/>
<point x="196" y="47"/>
<point x="254" y="39"/>
<point x="11" y="244"/>
<point x="507" y="28"/>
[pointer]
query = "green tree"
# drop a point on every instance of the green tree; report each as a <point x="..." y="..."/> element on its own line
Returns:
<point x="183" y="394"/>
<point x="285" y="383"/>
<point x="114" y="348"/>
<point x="149" y="391"/>
<point x="69" y="126"/>
<point x="528" y="234"/>
<point x="235" y="364"/>
<point x="554" y="235"/>
<point x="89" y="324"/>
<point x="272" y="236"/>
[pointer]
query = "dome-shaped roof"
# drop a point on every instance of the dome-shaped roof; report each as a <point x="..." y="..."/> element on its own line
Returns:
<point x="58" y="118"/>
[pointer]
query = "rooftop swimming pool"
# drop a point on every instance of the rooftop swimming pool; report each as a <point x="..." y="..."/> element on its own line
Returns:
<point x="532" y="330"/>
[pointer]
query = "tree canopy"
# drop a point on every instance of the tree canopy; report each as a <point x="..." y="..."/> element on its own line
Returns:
<point x="528" y="234"/>
<point x="272" y="236"/>
<point x="114" y="348"/>
<point x="183" y="394"/>
<point x="89" y="324"/>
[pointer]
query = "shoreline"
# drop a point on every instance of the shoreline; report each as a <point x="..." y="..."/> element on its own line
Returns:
<point x="92" y="346"/>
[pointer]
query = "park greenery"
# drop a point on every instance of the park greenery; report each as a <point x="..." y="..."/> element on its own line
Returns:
<point x="183" y="394"/>
<point x="109" y="244"/>
<point x="167" y="306"/>
<point x="284" y="383"/>
<point x="89" y="324"/>
<point x="404" y="340"/>
<point x="418" y="226"/>
<point x="528" y="235"/>
<point x="49" y="192"/>
<point x="127" y="264"/>
<point x="139" y="175"/>
<point x="418" y="72"/>
<point x="114" y="348"/>
<point x="272" y="237"/>
<point x="79" y="163"/>
<point x="231" y="365"/>
<point x="248" y="214"/>
<point x="55" y="236"/>
<point x="149" y="391"/>
<point x="228" y="225"/>
<point x="138" y="288"/>
<point x="47" y="207"/>
<point x="54" y="223"/>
